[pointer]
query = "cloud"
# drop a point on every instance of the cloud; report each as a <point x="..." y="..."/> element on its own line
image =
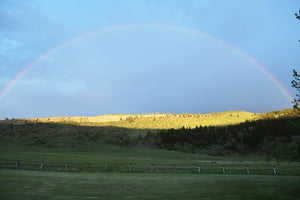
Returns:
<point x="7" y="46"/>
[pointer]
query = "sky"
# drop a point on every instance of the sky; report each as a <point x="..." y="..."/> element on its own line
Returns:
<point x="95" y="57"/>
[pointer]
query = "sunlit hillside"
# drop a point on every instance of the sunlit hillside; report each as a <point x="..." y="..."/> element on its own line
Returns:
<point x="160" y="120"/>
<point x="214" y="134"/>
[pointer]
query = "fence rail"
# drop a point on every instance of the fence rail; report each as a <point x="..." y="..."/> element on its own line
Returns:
<point x="152" y="168"/>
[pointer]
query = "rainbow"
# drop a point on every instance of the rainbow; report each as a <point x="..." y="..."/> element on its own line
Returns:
<point x="277" y="83"/>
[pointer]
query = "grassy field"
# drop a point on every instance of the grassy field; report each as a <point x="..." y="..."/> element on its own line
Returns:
<point x="68" y="143"/>
<point x="113" y="158"/>
<point x="25" y="184"/>
<point x="115" y="154"/>
<point x="35" y="184"/>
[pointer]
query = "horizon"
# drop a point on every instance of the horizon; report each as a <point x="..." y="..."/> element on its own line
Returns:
<point x="156" y="113"/>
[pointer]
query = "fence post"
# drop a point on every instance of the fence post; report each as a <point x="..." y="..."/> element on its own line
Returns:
<point x="18" y="163"/>
<point x="199" y="169"/>
<point x="174" y="168"/>
<point x="152" y="168"/>
<point x="223" y="169"/>
<point x="274" y="170"/>
<point x="130" y="168"/>
<point x="89" y="167"/>
<point x="42" y="165"/>
<point x="66" y="167"/>
<point x="247" y="169"/>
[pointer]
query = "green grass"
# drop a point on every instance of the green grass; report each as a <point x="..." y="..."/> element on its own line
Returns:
<point x="35" y="184"/>
<point x="115" y="154"/>
<point x="115" y="158"/>
<point x="24" y="184"/>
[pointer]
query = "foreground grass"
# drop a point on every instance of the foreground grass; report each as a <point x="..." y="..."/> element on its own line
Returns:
<point x="27" y="184"/>
<point x="24" y="184"/>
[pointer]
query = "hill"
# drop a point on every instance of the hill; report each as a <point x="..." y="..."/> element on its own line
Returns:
<point x="157" y="120"/>
<point x="214" y="134"/>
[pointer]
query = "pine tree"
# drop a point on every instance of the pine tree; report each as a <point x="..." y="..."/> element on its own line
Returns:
<point x="296" y="81"/>
<point x="296" y="85"/>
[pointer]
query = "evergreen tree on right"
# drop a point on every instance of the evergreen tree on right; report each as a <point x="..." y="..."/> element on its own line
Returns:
<point x="296" y="81"/>
<point x="296" y="84"/>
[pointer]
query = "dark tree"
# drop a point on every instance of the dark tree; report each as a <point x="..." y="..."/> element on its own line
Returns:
<point x="298" y="16"/>
<point x="296" y="85"/>
<point x="283" y="152"/>
<point x="296" y="81"/>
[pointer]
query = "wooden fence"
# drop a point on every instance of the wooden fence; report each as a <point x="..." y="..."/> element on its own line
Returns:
<point x="207" y="168"/>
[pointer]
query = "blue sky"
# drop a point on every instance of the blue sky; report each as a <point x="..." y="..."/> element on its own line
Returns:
<point x="154" y="59"/>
